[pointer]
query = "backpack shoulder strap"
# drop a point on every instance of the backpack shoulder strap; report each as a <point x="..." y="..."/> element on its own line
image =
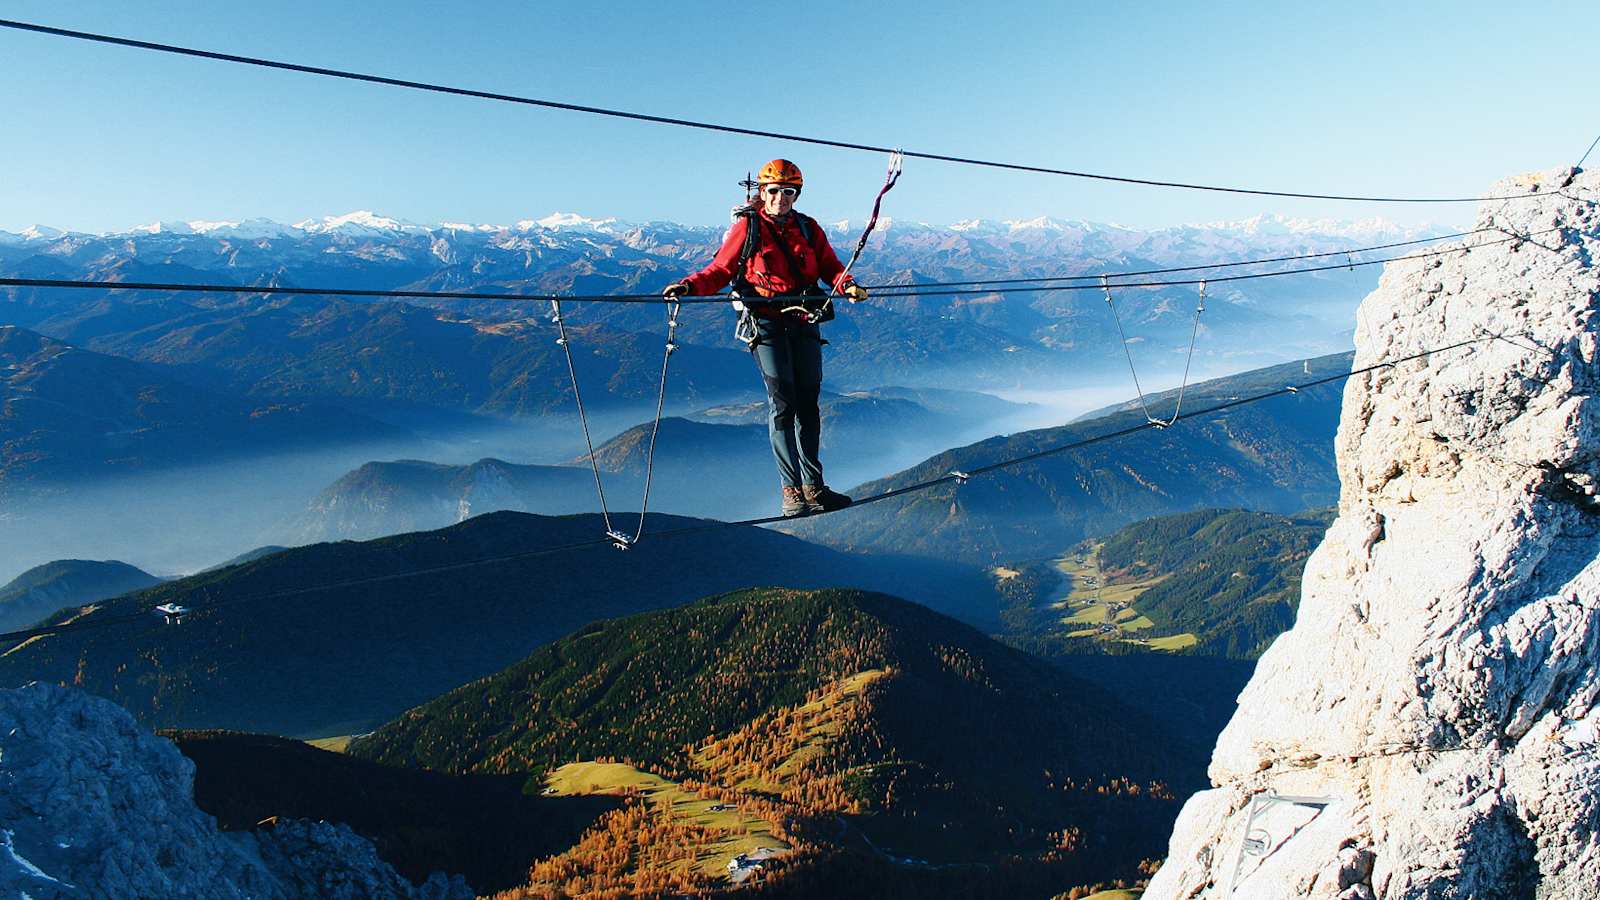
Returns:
<point x="752" y="237"/>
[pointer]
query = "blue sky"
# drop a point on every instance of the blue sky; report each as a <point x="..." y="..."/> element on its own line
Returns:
<point x="1386" y="98"/>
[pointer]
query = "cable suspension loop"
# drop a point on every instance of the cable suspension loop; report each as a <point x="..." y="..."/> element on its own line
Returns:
<point x="619" y="539"/>
<point x="1105" y="285"/>
<point x="706" y="126"/>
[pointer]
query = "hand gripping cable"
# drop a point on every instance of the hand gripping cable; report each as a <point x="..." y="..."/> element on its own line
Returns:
<point x="896" y="166"/>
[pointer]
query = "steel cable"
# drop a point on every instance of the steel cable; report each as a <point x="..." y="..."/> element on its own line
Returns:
<point x="888" y="289"/>
<point x="706" y="126"/>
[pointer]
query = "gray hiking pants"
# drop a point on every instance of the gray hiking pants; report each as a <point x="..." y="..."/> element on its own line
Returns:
<point x="789" y="352"/>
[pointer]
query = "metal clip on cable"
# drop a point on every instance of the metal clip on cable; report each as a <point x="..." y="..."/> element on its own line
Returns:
<point x="555" y="318"/>
<point x="960" y="476"/>
<point x="672" y="323"/>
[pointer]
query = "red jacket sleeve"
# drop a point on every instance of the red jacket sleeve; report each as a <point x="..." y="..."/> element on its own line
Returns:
<point x="828" y="266"/>
<point x="716" y="276"/>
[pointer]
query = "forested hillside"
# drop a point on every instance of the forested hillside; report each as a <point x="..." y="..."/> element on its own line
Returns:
<point x="1210" y="583"/>
<point x="1230" y="577"/>
<point x="831" y="712"/>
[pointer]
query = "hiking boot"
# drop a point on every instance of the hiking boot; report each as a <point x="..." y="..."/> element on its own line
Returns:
<point x="821" y="497"/>
<point x="794" y="503"/>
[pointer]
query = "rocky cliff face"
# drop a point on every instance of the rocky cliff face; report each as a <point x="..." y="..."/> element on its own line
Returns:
<point x="91" y="805"/>
<point x="1428" y="728"/>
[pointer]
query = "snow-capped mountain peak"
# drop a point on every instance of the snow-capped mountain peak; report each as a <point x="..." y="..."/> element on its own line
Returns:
<point x="163" y="228"/>
<point x="41" y="233"/>
<point x="560" y="221"/>
<point x="1041" y="223"/>
<point x="360" y="221"/>
<point x="464" y="226"/>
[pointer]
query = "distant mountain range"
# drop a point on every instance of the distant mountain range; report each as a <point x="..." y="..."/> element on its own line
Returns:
<point x="1276" y="456"/>
<point x="495" y="356"/>
<point x="715" y="462"/>
<point x="855" y="713"/>
<point x="72" y="415"/>
<point x="334" y="638"/>
<point x="67" y="582"/>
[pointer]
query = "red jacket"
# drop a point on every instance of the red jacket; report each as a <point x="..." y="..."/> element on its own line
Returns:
<point x="768" y="270"/>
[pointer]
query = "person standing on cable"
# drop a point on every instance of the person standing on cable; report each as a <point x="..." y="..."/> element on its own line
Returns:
<point x="774" y="256"/>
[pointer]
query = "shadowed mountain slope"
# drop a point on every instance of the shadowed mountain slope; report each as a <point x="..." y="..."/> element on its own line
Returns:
<point x="281" y="653"/>
<point x="1274" y="455"/>
<point x="72" y="415"/>
<point x="412" y="495"/>
<point x="481" y="827"/>
<point x="66" y="582"/>
<point x="716" y="463"/>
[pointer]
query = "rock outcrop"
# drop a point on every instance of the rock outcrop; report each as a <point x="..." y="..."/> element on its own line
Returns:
<point x="92" y="805"/>
<point x="1428" y="727"/>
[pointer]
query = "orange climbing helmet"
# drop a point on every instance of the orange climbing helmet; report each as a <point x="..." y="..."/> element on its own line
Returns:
<point x="781" y="171"/>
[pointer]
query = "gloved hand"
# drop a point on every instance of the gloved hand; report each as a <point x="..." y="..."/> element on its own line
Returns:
<point x="679" y="289"/>
<point x="855" y="293"/>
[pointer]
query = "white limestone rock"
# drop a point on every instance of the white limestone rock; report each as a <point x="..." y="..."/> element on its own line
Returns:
<point x="1440" y="683"/>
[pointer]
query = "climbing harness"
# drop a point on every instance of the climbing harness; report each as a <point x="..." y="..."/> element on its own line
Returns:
<point x="1194" y="336"/>
<point x="812" y="304"/>
<point x="745" y="329"/>
<point x="1258" y="842"/>
<point x="618" y="538"/>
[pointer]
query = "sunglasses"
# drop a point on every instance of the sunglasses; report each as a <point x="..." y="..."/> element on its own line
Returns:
<point x="775" y="190"/>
